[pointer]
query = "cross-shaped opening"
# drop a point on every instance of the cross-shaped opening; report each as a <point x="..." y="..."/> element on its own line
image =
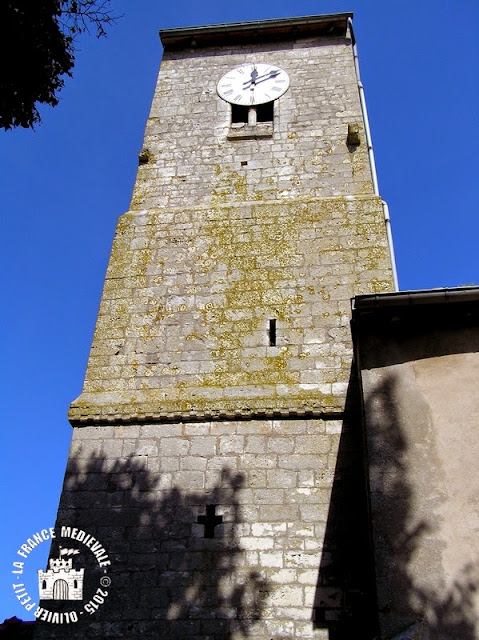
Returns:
<point x="210" y="520"/>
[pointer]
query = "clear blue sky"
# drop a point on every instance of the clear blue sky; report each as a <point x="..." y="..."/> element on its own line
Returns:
<point x="64" y="185"/>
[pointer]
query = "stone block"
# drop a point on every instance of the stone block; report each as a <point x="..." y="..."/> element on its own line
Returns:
<point x="271" y="559"/>
<point x="268" y="496"/>
<point x="203" y="446"/>
<point x="174" y="447"/>
<point x="190" y="480"/>
<point x="193" y="463"/>
<point x="287" y="596"/>
<point x="255" y="444"/>
<point x="301" y="461"/>
<point x="314" y="512"/>
<point x="315" y="444"/>
<point x="231" y="444"/>
<point x="146" y="447"/>
<point x="280" y="445"/>
<point x="280" y="478"/>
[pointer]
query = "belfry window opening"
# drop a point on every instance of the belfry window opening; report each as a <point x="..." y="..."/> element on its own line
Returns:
<point x="251" y="115"/>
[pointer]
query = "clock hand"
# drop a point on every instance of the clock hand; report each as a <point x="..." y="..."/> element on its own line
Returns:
<point x="263" y="79"/>
<point x="256" y="79"/>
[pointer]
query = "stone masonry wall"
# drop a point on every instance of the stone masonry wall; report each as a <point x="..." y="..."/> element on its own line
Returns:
<point x="224" y="235"/>
<point x="183" y="324"/>
<point x="193" y="163"/>
<point x="140" y="490"/>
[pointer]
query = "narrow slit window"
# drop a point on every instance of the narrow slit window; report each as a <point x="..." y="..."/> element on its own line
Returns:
<point x="272" y="332"/>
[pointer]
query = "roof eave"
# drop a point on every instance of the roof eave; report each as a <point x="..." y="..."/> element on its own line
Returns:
<point x="265" y="30"/>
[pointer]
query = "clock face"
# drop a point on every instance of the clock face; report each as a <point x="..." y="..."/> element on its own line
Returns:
<point x="253" y="84"/>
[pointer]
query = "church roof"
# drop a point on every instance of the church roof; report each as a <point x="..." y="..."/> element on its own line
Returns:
<point x="444" y="295"/>
<point x="416" y="311"/>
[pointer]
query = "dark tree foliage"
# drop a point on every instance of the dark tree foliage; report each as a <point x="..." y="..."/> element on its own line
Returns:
<point x="37" y="46"/>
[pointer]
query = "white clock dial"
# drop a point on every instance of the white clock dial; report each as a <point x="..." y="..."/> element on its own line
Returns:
<point x="253" y="84"/>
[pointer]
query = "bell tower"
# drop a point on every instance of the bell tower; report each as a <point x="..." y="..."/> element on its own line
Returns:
<point x="216" y="452"/>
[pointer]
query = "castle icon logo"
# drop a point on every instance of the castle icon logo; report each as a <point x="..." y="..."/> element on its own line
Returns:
<point x="61" y="581"/>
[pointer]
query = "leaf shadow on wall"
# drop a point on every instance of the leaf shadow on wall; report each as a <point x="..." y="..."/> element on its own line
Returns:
<point x="346" y="598"/>
<point x="168" y="580"/>
<point x="406" y="600"/>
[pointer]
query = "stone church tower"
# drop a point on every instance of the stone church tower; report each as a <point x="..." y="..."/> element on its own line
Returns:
<point x="216" y="445"/>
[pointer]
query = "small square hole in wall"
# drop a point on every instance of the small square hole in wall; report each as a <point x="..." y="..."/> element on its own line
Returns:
<point x="244" y="163"/>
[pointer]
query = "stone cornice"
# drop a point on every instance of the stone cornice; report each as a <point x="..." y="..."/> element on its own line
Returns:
<point x="127" y="414"/>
